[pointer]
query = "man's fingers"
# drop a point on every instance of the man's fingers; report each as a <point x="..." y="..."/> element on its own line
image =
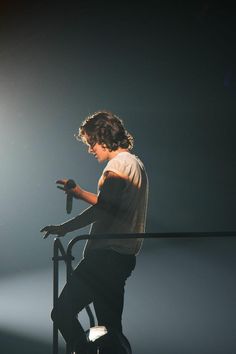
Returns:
<point x="52" y="230"/>
<point x="62" y="181"/>
<point x="44" y="229"/>
<point x="67" y="191"/>
<point x="46" y="235"/>
<point x="62" y="188"/>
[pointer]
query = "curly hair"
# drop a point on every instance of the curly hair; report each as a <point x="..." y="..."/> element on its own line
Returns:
<point x="107" y="129"/>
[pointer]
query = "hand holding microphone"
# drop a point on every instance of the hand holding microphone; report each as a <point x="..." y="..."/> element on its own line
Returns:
<point x="68" y="185"/>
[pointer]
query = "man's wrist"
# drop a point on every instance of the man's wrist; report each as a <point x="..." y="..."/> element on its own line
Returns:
<point x="64" y="228"/>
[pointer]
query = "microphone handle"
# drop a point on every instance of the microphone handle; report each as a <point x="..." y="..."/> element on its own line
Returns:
<point x="69" y="198"/>
<point x="69" y="203"/>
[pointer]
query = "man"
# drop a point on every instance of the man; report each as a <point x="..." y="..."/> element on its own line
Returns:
<point x="118" y="208"/>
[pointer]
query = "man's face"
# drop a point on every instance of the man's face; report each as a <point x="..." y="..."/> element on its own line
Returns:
<point x="100" y="152"/>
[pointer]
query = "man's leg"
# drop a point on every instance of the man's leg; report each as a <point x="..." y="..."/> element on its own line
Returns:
<point x="109" y="299"/>
<point x="73" y="298"/>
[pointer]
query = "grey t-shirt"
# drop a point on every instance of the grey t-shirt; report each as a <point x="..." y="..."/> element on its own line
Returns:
<point x="131" y="214"/>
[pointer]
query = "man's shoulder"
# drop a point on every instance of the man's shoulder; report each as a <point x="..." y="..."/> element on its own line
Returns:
<point x="123" y="160"/>
<point x="125" y="164"/>
<point x="126" y="158"/>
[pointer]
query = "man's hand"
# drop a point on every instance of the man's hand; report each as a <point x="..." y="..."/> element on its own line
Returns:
<point x="53" y="230"/>
<point x="76" y="192"/>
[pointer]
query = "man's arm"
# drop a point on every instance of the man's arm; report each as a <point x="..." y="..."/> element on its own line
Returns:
<point x="108" y="202"/>
<point x="77" y="192"/>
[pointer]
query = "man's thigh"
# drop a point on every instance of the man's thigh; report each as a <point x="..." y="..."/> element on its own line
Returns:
<point x="76" y="294"/>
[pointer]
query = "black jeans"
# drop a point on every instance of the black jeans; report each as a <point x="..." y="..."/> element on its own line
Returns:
<point x="99" y="278"/>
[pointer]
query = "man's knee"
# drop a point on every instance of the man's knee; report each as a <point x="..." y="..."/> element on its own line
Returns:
<point x="54" y="315"/>
<point x="58" y="313"/>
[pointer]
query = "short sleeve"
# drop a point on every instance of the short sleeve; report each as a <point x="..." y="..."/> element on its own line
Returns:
<point x="124" y="165"/>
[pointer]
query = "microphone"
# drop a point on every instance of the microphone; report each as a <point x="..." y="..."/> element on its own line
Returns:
<point x="69" y="198"/>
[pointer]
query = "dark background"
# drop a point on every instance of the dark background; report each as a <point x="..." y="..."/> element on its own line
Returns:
<point x="168" y="70"/>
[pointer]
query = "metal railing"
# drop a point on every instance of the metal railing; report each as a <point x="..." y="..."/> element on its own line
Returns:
<point x="62" y="254"/>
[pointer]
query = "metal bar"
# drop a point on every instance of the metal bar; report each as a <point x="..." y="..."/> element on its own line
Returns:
<point x="159" y="235"/>
<point x="57" y="247"/>
<point x="55" y="292"/>
<point x="90" y="316"/>
<point x="61" y="248"/>
<point x="69" y="270"/>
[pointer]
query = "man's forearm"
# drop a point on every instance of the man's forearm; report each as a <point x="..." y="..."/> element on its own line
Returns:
<point x="87" y="217"/>
<point x="88" y="197"/>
